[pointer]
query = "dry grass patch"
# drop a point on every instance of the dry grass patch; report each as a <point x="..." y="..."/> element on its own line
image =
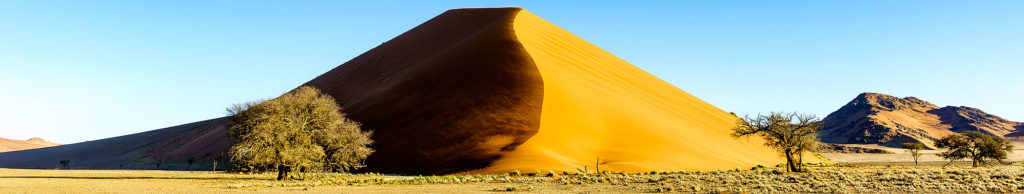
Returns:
<point x="855" y="178"/>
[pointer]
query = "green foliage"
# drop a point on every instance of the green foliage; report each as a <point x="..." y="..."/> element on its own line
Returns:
<point x="914" y="149"/>
<point x="791" y="134"/>
<point x="981" y="148"/>
<point x="302" y="129"/>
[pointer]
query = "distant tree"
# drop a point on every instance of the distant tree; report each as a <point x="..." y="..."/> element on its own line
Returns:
<point x="190" y="160"/>
<point x="158" y="163"/>
<point x="978" y="146"/>
<point x="791" y="134"/>
<point x="302" y="129"/>
<point x="214" y="162"/>
<point x="66" y="164"/>
<point x="914" y="149"/>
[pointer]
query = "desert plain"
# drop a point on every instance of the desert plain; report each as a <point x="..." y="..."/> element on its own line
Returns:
<point x="846" y="173"/>
<point x="933" y="176"/>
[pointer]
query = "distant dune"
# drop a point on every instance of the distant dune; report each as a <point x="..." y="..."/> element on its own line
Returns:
<point x="127" y="151"/>
<point x="498" y="89"/>
<point x="7" y="145"/>
<point x="885" y="120"/>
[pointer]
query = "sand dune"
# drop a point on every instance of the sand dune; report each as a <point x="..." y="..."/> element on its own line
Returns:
<point x="498" y="89"/>
<point x="505" y="90"/>
<point x="127" y="151"/>
<point x="7" y="145"/>
<point x="452" y="94"/>
<point x="597" y="105"/>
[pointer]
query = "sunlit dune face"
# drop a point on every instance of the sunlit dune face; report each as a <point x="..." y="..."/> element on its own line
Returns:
<point x="597" y="105"/>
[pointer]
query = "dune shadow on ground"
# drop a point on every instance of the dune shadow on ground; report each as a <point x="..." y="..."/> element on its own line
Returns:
<point x="129" y="177"/>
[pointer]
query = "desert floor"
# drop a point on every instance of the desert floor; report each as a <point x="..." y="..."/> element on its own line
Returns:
<point x="840" y="177"/>
<point x="901" y="155"/>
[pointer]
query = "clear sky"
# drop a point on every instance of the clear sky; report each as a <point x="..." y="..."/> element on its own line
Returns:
<point x="73" y="71"/>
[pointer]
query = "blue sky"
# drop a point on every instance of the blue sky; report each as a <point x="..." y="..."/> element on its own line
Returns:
<point x="73" y="71"/>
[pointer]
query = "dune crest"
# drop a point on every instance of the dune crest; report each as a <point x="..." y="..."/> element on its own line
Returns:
<point x="597" y="105"/>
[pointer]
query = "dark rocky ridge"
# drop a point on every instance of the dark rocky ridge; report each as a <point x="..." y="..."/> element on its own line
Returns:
<point x="873" y="118"/>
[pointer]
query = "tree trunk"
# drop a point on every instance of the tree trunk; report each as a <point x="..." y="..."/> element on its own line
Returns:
<point x="800" y="161"/>
<point x="282" y="172"/>
<point x="974" y="161"/>
<point x="914" y="154"/>
<point x="789" y="160"/>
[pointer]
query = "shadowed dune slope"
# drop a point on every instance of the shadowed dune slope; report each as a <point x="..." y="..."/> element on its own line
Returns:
<point x="128" y="151"/>
<point x="454" y="93"/>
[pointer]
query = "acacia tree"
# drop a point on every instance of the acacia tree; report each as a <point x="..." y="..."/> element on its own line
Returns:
<point x="301" y="129"/>
<point x="345" y="146"/>
<point x="791" y="134"/>
<point x="914" y="149"/>
<point x="978" y="146"/>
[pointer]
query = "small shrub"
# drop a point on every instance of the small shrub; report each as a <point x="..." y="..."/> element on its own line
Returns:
<point x="663" y="189"/>
<point x="758" y="167"/>
<point x="508" y="188"/>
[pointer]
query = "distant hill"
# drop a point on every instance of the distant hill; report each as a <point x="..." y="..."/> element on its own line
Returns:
<point x="127" y="151"/>
<point x="873" y="118"/>
<point x="7" y="145"/>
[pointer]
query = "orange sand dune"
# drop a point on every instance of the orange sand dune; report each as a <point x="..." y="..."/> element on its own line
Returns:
<point x="486" y="91"/>
<point x="500" y="89"/>
<point x="597" y="105"/>
<point x="7" y="145"/>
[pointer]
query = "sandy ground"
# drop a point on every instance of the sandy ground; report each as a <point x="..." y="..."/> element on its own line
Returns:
<point x="901" y="155"/>
<point x="928" y="177"/>
<point x="155" y="181"/>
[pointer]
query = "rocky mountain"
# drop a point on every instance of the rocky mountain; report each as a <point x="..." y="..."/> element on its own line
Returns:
<point x="873" y="118"/>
